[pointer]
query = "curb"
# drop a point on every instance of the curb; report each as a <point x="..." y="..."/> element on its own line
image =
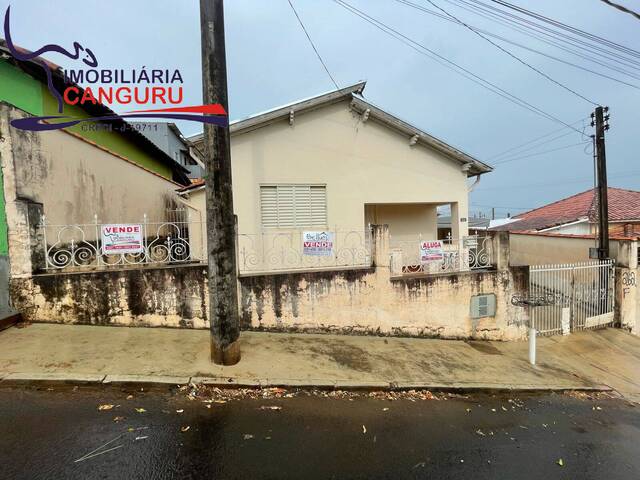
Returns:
<point x="35" y="379"/>
<point x="50" y="379"/>
<point x="145" y="380"/>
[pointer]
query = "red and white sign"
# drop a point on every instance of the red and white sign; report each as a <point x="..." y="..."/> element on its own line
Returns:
<point x="431" y="251"/>
<point x="122" y="238"/>
<point x="317" y="244"/>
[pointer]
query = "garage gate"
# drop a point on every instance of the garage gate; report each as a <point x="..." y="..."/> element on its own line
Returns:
<point x="577" y="296"/>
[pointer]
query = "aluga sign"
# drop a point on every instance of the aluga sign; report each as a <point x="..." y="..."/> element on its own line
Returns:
<point x="431" y="251"/>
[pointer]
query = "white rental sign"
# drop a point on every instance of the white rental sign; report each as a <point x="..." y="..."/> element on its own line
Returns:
<point x="431" y="251"/>
<point x="317" y="244"/>
<point x="121" y="238"/>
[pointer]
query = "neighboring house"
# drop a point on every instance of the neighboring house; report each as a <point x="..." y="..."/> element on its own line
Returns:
<point x="72" y="175"/>
<point x="336" y="162"/>
<point x="477" y="226"/>
<point x="169" y="139"/>
<point x="578" y="215"/>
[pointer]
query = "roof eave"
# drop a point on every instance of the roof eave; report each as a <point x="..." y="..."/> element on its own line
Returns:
<point x="265" y="118"/>
<point x="476" y="166"/>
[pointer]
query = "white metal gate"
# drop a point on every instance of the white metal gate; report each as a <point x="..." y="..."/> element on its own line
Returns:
<point x="577" y="296"/>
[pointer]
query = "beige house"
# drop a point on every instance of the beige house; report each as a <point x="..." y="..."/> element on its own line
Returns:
<point x="337" y="163"/>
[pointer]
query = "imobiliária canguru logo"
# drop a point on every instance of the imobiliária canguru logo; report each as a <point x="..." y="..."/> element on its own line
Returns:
<point x="126" y="87"/>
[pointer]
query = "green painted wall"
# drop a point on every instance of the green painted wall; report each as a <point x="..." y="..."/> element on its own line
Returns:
<point x="20" y="89"/>
<point x="4" y="240"/>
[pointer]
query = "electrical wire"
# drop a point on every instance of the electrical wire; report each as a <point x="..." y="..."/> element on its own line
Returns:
<point x="538" y="52"/>
<point x="538" y="153"/>
<point x="515" y="57"/>
<point x="506" y="208"/>
<point x="534" y="140"/>
<point x="450" y="64"/>
<point x="568" y="27"/>
<point x="539" y="144"/>
<point x="575" y="31"/>
<point x="568" y="181"/>
<point x="326" y="69"/>
<point x="622" y="8"/>
<point x="534" y="30"/>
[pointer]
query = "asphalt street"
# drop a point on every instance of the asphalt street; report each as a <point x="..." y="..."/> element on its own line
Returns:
<point x="115" y="433"/>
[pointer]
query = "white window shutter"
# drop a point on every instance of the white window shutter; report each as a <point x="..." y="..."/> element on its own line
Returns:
<point x="318" y="207"/>
<point x="269" y="206"/>
<point x="293" y="206"/>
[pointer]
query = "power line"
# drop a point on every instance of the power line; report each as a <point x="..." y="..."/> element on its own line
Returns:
<point x="535" y="140"/>
<point x="575" y="31"/>
<point x="622" y="8"/>
<point x="566" y="62"/>
<point x="566" y="27"/>
<point x="617" y="175"/>
<point x="312" y="44"/>
<point x="507" y="208"/>
<point x="450" y="64"/>
<point x="515" y="57"/>
<point x="540" y="153"/>
<point x="527" y="27"/>
<point x="536" y="145"/>
<point x="538" y="52"/>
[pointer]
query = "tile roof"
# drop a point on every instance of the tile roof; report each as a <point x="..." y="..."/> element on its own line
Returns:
<point x="624" y="205"/>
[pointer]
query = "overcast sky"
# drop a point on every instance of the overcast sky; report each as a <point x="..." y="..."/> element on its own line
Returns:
<point x="271" y="63"/>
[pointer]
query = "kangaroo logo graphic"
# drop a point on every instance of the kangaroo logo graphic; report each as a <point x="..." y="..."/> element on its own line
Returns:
<point x="89" y="59"/>
<point x="212" y="114"/>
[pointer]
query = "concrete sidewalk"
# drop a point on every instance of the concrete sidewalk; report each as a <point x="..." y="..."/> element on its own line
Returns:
<point x="583" y="360"/>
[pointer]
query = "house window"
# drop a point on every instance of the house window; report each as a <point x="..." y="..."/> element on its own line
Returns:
<point x="293" y="206"/>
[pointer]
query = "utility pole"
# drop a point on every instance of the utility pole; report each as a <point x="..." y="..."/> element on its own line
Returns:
<point x="600" y="118"/>
<point x="221" y="225"/>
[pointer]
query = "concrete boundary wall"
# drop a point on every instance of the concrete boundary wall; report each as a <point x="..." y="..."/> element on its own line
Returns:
<point x="358" y="301"/>
<point x="150" y="297"/>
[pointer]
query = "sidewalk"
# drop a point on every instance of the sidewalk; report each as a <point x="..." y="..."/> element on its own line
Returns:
<point x="583" y="360"/>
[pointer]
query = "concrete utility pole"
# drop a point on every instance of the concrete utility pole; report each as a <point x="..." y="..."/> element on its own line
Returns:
<point x="602" y="124"/>
<point x="221" y="241"/>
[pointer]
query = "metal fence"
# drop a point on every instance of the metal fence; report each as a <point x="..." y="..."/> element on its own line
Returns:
<point x="581" y="296"/>
<point x="285" y="251"/>
<point x="471" y="253"/>
<point x="82" y="246"/>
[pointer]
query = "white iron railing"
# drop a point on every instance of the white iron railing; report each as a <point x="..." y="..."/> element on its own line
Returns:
<point x="471" y="253"/>
<point x="284" y="251"/>
<point x="80" y="246"/>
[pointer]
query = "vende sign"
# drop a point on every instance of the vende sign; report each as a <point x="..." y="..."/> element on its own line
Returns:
<point x="121" y="238"/>
<point x="431" y="251"/>
<point x="317" y="244"/>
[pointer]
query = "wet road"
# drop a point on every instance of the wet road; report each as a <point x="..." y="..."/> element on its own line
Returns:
<point x="49" y="434"/>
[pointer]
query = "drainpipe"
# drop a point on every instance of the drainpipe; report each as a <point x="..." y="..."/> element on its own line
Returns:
<point x="474" y="184"/>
